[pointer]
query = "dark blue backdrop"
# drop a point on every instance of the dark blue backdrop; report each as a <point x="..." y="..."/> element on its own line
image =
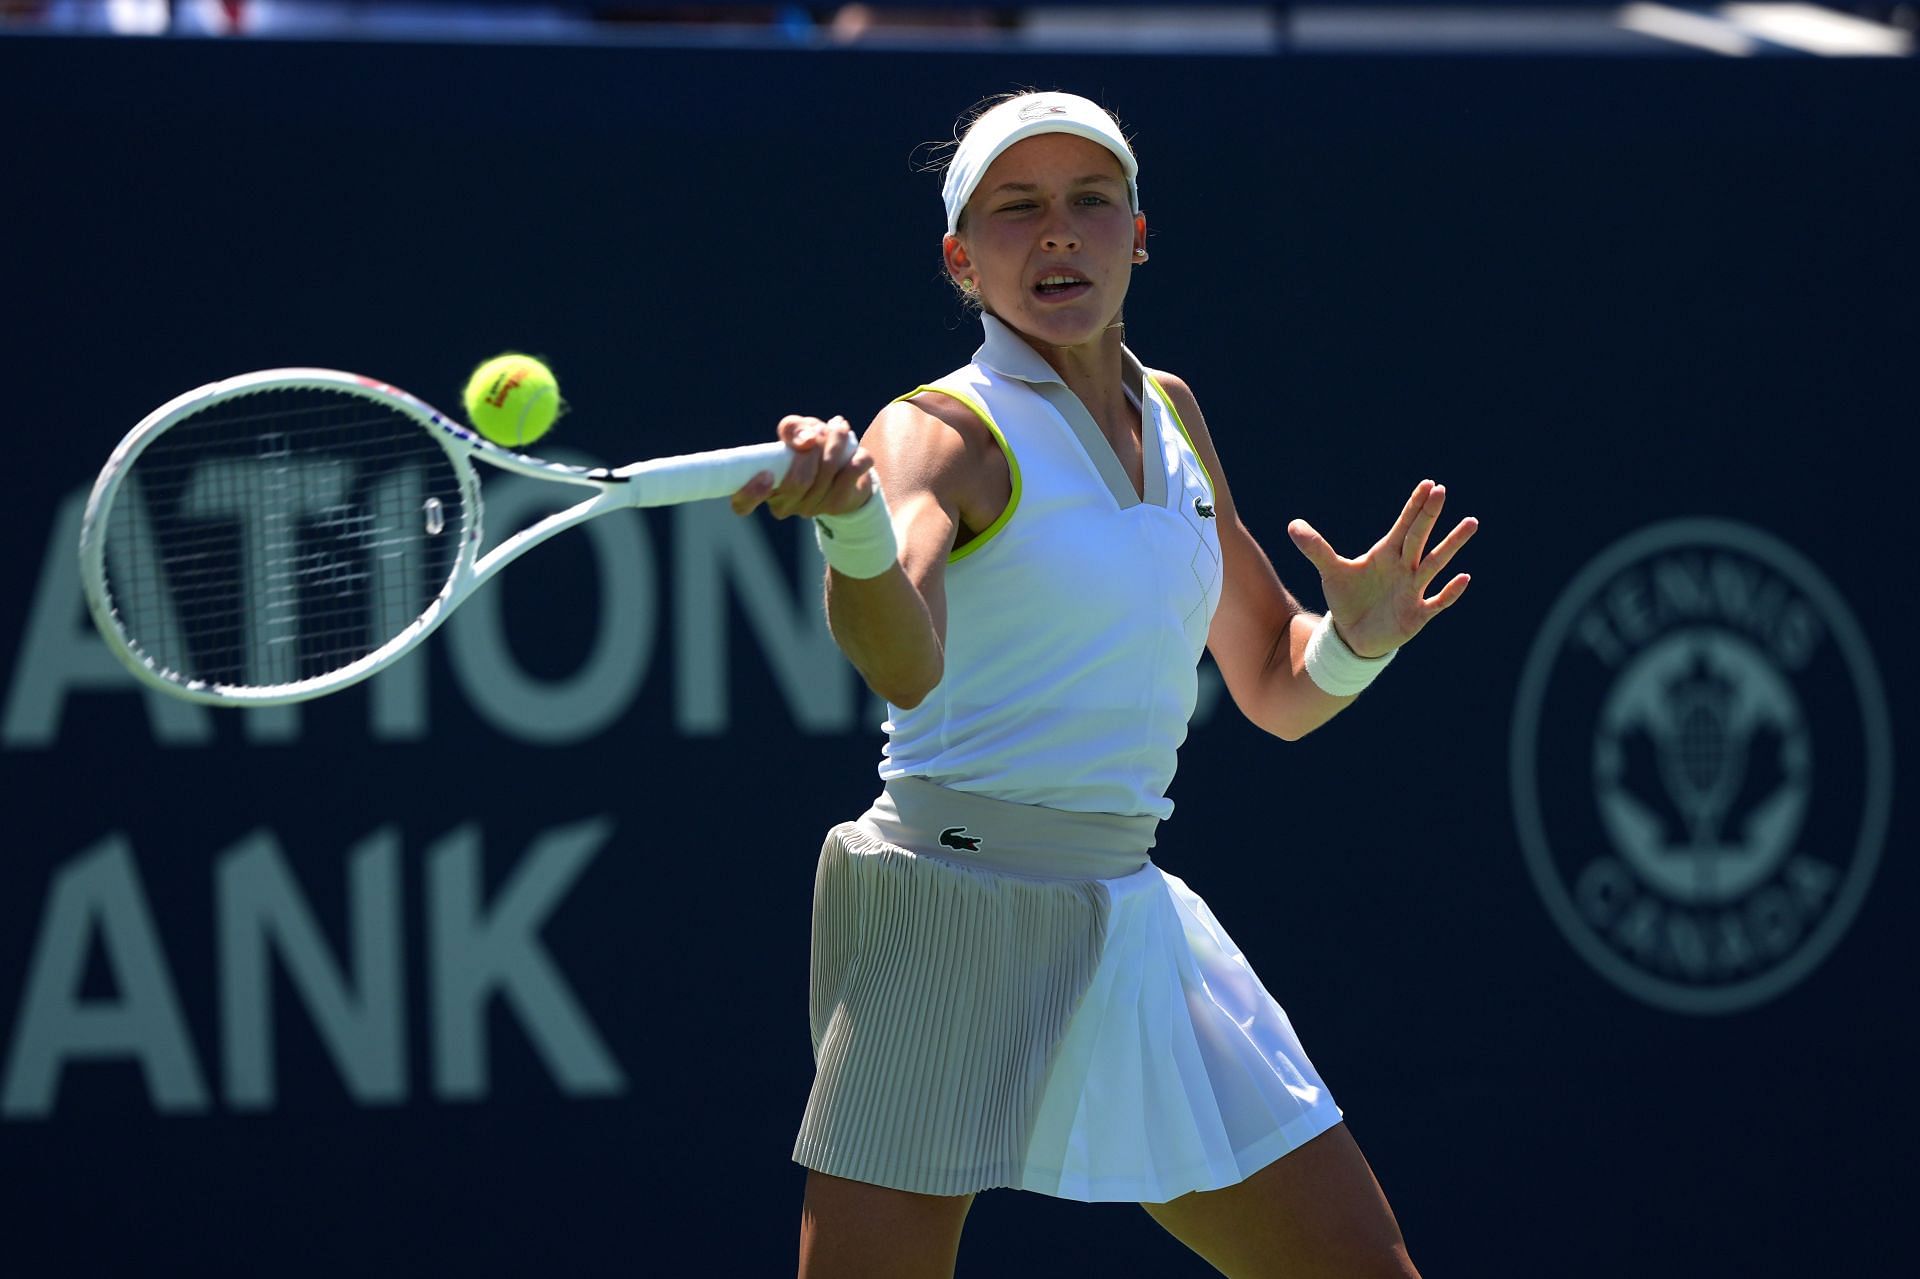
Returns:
<point x="498" y="965"/>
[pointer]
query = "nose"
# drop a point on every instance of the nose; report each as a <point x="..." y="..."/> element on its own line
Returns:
<point x="1060" y="237"/>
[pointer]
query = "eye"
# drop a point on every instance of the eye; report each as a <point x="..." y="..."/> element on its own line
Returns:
<point x="1093" y="199"/>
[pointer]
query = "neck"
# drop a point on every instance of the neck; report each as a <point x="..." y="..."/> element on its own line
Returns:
<point x="1092" y="370"/>
<point x="1095" y="371"/>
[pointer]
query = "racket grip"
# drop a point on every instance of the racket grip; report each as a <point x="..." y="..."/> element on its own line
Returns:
<point x="696" y="477"/>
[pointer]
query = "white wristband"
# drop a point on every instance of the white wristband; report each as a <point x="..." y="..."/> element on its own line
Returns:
<point x="860" y="543"/>
<point x="1337" y="669"/>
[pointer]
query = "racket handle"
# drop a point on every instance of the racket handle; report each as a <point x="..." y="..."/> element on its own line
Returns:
<point x="695" y="477"/>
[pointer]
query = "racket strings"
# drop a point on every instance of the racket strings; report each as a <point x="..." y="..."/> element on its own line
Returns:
<point x="277" y="537"/>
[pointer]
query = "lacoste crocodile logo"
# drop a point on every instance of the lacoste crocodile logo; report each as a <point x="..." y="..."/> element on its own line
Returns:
<point x="1203" y="509"/>
<point x="957" y="837"/>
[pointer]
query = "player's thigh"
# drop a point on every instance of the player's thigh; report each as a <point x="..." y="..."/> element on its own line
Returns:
<point x="1315" y="1213"/>
<point x="852" y="1230"/>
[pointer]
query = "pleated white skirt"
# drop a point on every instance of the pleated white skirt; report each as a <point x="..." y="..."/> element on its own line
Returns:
<point x="1043" y="1009"/>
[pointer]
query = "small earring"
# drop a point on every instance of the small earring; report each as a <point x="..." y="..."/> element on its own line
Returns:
<point x="967" y="284"/>
<point x="1139" y="255"/>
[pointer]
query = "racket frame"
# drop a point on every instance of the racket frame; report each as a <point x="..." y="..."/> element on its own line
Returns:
<point x="613" y="488"/>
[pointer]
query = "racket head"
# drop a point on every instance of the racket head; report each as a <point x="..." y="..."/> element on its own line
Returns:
<point x="279" y="535"/>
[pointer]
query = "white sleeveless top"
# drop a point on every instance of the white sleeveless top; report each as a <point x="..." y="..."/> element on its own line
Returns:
<point x="1076" y="621"/>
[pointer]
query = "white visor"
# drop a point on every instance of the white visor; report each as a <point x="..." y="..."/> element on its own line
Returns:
<point x="1023" y="117"/>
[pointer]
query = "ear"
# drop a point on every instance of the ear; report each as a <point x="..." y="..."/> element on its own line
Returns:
<point x="1139" y="233"/>
<point x="956" y="255"/>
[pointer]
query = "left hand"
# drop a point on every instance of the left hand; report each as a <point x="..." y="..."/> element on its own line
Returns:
<point x="1379" y="601"/>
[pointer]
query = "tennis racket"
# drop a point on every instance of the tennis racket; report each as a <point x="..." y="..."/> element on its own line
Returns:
<point x="281" y="535"/>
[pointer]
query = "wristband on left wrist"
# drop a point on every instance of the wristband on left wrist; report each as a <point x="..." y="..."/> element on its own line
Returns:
<point x="1335" y="668"/>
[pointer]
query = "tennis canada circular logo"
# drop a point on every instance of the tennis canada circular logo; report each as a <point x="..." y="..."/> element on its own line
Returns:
<point x="1702" y="765"/>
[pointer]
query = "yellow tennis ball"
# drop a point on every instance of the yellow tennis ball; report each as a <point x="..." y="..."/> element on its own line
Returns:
<point x="512" y="399"/>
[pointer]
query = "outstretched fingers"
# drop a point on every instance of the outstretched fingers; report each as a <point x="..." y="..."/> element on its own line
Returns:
<point x="1414" y="545"/>
<point x="1397" y="535"/>
<point x="1448" y="548"/>
<point x="1449" y="595"/>
<point x="1313" y="546"/>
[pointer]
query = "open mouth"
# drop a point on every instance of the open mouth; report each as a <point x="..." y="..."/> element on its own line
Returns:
<point x="1061" y="285"/>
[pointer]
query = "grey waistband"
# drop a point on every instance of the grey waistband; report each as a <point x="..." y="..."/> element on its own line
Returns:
<point x="1020" y="839"/>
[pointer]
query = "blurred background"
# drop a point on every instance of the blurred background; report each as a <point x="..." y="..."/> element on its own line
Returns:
<point x="1590" y="913"/>
<point x="1880" y="28"/>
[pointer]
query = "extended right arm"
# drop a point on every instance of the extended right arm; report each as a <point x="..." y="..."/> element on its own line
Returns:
<point x="891" y="627"/>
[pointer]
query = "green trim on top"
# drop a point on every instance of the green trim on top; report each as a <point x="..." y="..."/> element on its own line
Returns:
<point x="1013" y="465"/>
<point x="1212" y="488"/>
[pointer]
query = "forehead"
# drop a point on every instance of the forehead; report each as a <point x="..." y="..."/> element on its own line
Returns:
<point x="1051" y="159"/>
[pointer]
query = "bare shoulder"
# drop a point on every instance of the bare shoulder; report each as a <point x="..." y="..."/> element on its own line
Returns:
<point x="940" y="407"/>
<point x="936" y="445"/>
<point x="931" y="419"/>
<point x="929" y="434"/>
<point x="1173" y="383"/>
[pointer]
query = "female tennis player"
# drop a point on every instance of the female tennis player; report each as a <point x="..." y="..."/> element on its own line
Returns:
<point x="1006" y="991"/>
